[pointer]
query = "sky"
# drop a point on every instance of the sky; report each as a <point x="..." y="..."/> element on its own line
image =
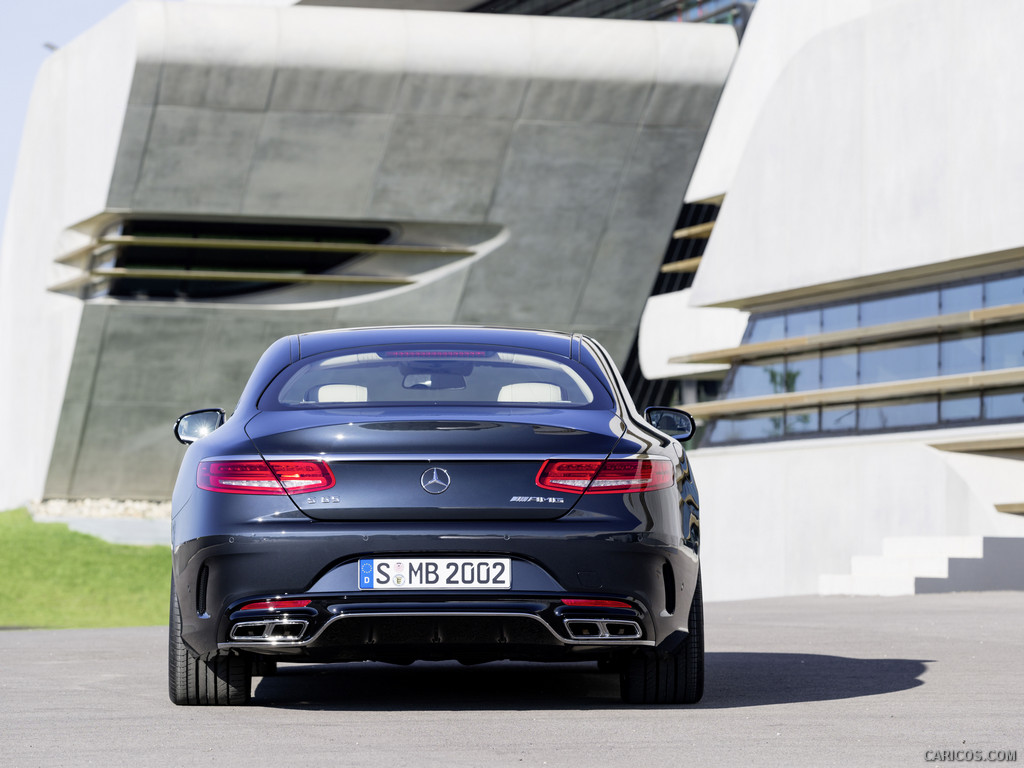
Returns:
<point x="27" y="29"/>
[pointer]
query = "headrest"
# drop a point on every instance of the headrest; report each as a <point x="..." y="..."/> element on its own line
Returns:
<point x="341" y="393"/>
<point x="530" y="392"/>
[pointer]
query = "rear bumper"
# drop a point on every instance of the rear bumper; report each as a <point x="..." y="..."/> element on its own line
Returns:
<point x="215" y="576"/>
<point x="538" y="627"/>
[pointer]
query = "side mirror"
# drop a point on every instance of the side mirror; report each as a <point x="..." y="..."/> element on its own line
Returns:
<point x="197" y="424"/>
<point x="672" y="421"/>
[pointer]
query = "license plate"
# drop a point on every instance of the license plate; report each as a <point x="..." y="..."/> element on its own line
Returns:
<point x="436" y="573"/>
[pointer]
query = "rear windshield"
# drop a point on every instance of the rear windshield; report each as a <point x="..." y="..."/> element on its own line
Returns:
<point x="443" y="375"/>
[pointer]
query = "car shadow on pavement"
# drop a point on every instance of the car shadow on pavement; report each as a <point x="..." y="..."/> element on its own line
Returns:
<point x="755" y="679"/>
<point x="732" y="680"/>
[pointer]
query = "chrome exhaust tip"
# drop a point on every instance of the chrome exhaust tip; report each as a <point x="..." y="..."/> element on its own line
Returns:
<point x="269" y="630"/>
<point x="602" y="629"/>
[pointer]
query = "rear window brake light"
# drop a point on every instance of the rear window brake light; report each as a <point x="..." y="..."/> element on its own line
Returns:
<point x="436" y="353"/>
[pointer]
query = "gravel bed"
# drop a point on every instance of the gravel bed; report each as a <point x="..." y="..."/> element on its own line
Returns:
<point x="120" y="508"/>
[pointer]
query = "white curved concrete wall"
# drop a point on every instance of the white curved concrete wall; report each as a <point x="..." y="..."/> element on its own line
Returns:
<point x="777" y="516"/>
<point x="670" y="327"/>
<point x="885" y="143"/>
<point x="777" y="30"/>
<point x="69" y="147"/>
<point x="889" y="142"/>
<point x="575" y="136"/>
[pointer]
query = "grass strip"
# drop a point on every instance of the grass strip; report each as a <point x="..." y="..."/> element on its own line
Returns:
<point x="51" y="576"/>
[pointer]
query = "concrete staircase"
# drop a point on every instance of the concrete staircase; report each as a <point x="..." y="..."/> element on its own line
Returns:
<point x="912" y="565"/>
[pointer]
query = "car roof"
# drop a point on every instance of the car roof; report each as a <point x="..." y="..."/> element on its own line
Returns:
<point x="319" y="342"/>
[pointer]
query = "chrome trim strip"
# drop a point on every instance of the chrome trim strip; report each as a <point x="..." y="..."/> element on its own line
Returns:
<point x="429" y="458"/>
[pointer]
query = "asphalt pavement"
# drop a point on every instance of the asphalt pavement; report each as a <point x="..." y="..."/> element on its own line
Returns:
<point x="792" y="682"/>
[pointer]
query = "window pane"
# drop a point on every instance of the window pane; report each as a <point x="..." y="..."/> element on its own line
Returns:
<point x="895" y="362"/>
<point x="459" y="374"/>
<point x="803" y="323"/>
<point x="1006" y="290"/>
<point x="766" y="329"/>
<point x="1004" y="404"/>
<point x="760" y="426"/>
<point x="1004" y="349"/>
<point x="960" y="354"/>
<point x="895" y="414"/>
<point x="960" y="407"/>
<point x="765" y="377"/>
<point x="893" y="309"/>
<point x="800" y="421"/>
<point x="707" y="389"/>
<point x="961" y="298"/>
<point x="803" y="373"/>
<point x="839" y="318"/>
<point x="839" y="418"/>
<point x="839" y="368"/>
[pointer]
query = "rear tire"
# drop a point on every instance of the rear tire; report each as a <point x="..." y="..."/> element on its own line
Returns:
<point x="677" y="678"/>
<point x="225" y="678"/>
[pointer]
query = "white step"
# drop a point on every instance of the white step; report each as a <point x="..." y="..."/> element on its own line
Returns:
<point x="885" y="565"/>
<point x="884" y="585"/>
<point x="933" y="546"/>
<point x="903" y="560"/>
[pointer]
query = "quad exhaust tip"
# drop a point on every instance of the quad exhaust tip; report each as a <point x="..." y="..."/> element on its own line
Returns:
<point x="269" y="630"/>
<point x="602" y="629"/>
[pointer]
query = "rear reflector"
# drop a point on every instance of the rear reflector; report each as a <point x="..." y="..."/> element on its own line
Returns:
<point x="275" y="605"/>
<point x="580" y="603"/>
<point x="265" y="478"/>
<point x="613" y="476"/>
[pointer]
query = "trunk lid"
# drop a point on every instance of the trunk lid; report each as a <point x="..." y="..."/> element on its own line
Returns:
<point x="447" y="467"/>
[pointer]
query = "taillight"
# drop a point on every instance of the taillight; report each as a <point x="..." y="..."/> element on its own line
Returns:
<point x="266" y="478"/>
<point x="612" y="476"/>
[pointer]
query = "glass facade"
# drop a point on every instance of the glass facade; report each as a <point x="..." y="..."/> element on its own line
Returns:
<point x="959" y="408"/>
<point x="897" y="414"/>
<point x="1007" y="288"/>
<point x="923" y="355"/>
<point x="1003" y="404"/>
<point x="938" y="355"/>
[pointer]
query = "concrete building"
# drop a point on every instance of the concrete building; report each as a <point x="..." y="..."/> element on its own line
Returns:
<point x="197" y="180"/>
<point x="862" y="289"/>
<point x="841" y="303"/>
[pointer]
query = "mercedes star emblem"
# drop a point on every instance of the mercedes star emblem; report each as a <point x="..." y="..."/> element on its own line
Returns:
<point x="435" y="480"/>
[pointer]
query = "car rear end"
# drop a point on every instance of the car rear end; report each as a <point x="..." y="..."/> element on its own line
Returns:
<point x="342" y="525"/>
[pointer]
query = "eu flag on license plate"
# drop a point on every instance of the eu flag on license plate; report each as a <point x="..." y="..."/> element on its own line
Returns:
<point x="365" y="573"/>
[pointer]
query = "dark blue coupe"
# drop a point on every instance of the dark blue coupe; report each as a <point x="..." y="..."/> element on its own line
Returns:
<point x="435" y="493"/>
